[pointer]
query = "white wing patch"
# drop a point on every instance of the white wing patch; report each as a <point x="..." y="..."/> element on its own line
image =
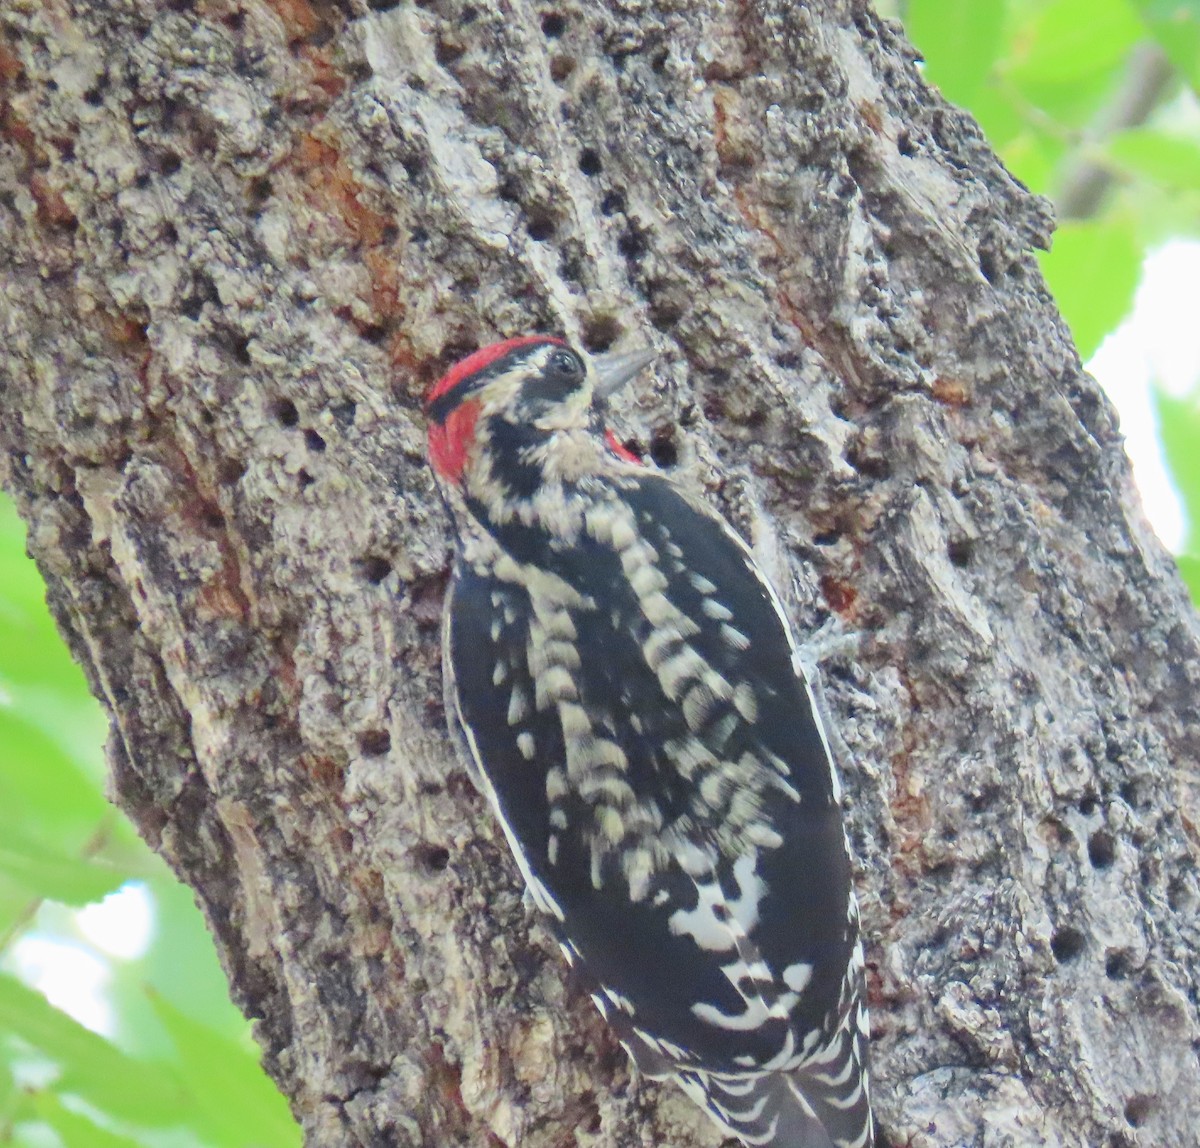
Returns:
<point x="797" y="976"/>
<point x="723" y="924"/>
<point x="717" y="922"/>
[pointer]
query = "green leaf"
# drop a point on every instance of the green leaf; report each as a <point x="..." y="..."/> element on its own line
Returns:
<point x="1189" y="567"/>
<point x="959" y="40"/>
<point x="91" y="1068"/>
<point x="1001" y="119"/>
<point x="21" y="586"/>
<point x="1175" y="24"/>
<point x="1171" y="161"/>
<point x="179" y="965"/>
<point x="8" y="1091"/>
<point x="47" y="873"/>
<point x="1179" y="432"/>
<point x="236" y="1100"/>
<point x="32" y="653"/>
<point x="31" y="649"/>
<point x="1069" y="40"/>
<point x="42" y="788"/>
<point x="1093" y="268"/>
<point x="1067" y="110"/>
<point x="1034" y="158"/>
<point x="74" y="1130"/>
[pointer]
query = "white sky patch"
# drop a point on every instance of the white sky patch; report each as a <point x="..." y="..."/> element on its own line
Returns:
<point x="1158" y="343"/>
<point x="75" y="975"/>
<point x="122" y="925"/>
<point x="69" y="976"/>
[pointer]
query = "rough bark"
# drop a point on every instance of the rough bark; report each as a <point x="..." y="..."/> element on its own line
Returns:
<point x="238" y="238"/>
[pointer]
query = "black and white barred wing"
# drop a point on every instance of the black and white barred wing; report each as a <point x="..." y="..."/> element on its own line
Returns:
<point x="632" y="703"/>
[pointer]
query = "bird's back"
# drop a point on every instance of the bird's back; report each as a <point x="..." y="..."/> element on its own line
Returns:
<point x="634" y="703"/>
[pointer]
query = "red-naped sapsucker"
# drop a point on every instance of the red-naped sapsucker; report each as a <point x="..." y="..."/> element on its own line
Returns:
<point x="631" y="700"/>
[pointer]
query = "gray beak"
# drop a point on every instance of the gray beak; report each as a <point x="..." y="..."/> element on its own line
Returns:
<point x="615" y="369"/>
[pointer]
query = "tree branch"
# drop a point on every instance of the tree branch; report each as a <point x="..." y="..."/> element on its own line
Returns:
<point x="1085" y="182"/>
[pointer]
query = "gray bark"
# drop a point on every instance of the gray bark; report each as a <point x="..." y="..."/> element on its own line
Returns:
<point x="239" y="238"/>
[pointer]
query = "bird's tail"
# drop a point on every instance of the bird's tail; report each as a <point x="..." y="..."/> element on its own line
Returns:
<point x="822" y="1103"/>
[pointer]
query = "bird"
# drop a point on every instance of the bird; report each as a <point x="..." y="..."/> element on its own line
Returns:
<point x="628" y="695"/>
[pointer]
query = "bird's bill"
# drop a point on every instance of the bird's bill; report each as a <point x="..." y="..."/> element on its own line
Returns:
<point x="616" y="369"/>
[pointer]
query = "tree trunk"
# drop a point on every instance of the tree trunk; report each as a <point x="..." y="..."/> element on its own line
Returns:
<point x="238" y="240"/>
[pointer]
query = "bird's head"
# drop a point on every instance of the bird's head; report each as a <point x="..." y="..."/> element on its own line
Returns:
<point x="512" y="405"/>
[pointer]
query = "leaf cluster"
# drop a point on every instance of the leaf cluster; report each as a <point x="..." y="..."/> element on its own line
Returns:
<point x="179" y="1067"/>
<point x="1094" y="104"/>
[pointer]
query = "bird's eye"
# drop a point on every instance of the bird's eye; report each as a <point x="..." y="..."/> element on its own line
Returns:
<point x="566" y="365"/>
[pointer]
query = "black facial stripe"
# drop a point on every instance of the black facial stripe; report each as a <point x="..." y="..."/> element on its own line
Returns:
<point x="546" y="389"/>
<point x="441" y="408"/>
<point x="562" y="374"/>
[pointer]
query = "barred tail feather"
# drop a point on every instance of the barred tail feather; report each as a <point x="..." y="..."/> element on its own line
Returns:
<point x="824" y="1103"/>
<point x="837" y="1090"/>
<point x="765" y="1112"/>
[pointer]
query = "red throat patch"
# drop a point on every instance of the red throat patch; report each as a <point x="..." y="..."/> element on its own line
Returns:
<point x="622" y="452"/>
<point x="450" y="441"/>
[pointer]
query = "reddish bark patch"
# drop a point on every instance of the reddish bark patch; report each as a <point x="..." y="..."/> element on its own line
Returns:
<point x="335" y="192"/>
<point x="13" y="128"/>
<point x="126" y="331"/>
<point x="300" y="20"/>
<point x="322" y="71"/>
<point x="840" y="595"/>
<point x="872" y="116"/>
<point x="10" y="65"/>
<point x="328" y="774"/>
<point x="385" y="281"/>
<point x="951" y="392"/>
